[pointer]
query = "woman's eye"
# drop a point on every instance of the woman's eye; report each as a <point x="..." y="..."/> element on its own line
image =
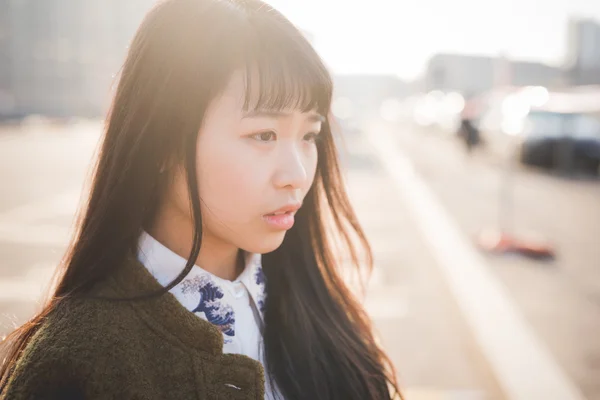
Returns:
<point x="265" y="136"/>
<point x="312" y="137"/>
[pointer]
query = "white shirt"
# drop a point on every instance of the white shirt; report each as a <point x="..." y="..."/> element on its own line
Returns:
<point x="235" y="307"/>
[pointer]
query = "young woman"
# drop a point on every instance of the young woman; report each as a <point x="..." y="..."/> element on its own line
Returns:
<point x="205" y="259"/>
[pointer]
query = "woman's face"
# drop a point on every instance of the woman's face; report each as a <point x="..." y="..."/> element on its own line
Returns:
<point x="249" y="166"/>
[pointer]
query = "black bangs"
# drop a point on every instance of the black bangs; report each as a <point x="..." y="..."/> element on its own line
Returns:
<point x="283" y="72"/>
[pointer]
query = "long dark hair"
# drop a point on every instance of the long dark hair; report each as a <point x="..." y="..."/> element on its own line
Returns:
<point x="318" y="340"/>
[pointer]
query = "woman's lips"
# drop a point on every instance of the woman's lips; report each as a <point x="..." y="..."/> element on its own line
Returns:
<point x="283" y="221"/>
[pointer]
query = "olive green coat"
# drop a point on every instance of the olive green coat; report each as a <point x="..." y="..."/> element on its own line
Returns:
<point x="151" y="349"/>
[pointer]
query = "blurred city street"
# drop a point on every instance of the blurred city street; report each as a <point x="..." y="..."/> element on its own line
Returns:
<point x="421" y="324"/>
<point x="42" y="171"/>
<point x="560" y="298"/>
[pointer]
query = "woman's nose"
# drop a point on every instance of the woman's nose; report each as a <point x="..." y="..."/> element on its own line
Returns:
<point x="292" y="169"/>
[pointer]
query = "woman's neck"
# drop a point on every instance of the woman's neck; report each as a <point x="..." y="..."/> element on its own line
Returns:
<point x="217" y="257"/>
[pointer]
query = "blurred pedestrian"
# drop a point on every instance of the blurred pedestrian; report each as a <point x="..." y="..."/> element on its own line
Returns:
<point x="468" y="131"/>
<point x="469" y="134"/>
<point x="204" y="262"/>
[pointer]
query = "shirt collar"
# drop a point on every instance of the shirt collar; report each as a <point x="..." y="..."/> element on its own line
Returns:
<point x="165" y="265"/>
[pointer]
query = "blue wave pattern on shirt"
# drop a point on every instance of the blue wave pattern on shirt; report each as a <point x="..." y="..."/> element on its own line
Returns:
<point x="260" y="279"/>
<point x="219" y="314"/>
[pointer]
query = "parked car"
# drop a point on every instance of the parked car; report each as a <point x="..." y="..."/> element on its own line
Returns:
<point x="566" y="141"/>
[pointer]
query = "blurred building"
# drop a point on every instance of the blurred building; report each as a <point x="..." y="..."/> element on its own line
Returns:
<point x="524" y="73"/>
<point x="59" y="57"/>
<point x="470" y="75"/>
<point x="583" y="59"/>
<point x="463" y="73"/>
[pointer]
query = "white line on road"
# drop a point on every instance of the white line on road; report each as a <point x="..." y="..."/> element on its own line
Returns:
<point x="28" y="287"/>
<point x="522" y="365"/>
<point x="22" y="224"/>
<point x="64" y="203"/>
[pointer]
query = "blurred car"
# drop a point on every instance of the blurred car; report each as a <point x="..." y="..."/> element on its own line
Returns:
<point x="567" y="141"/>
<point x="553" y="130"/>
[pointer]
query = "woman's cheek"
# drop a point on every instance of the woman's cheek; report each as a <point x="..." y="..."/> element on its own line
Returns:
<point x="312" y="169"/>
<point x="233" y="189"/>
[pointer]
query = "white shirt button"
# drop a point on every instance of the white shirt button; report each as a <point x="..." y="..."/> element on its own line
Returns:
<point x="239" y="290"/>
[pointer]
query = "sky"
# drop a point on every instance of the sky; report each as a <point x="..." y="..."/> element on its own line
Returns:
<point x="397" y="37"/>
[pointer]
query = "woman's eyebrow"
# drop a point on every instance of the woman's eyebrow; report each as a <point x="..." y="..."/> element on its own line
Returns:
<point x="312" y="117"/>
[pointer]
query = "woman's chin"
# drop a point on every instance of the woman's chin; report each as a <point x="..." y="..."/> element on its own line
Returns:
<point x="267" y="243"/>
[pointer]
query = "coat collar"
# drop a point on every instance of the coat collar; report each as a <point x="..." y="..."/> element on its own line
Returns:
<point x="162" y="314"/>
<point x="165" y="314"/>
